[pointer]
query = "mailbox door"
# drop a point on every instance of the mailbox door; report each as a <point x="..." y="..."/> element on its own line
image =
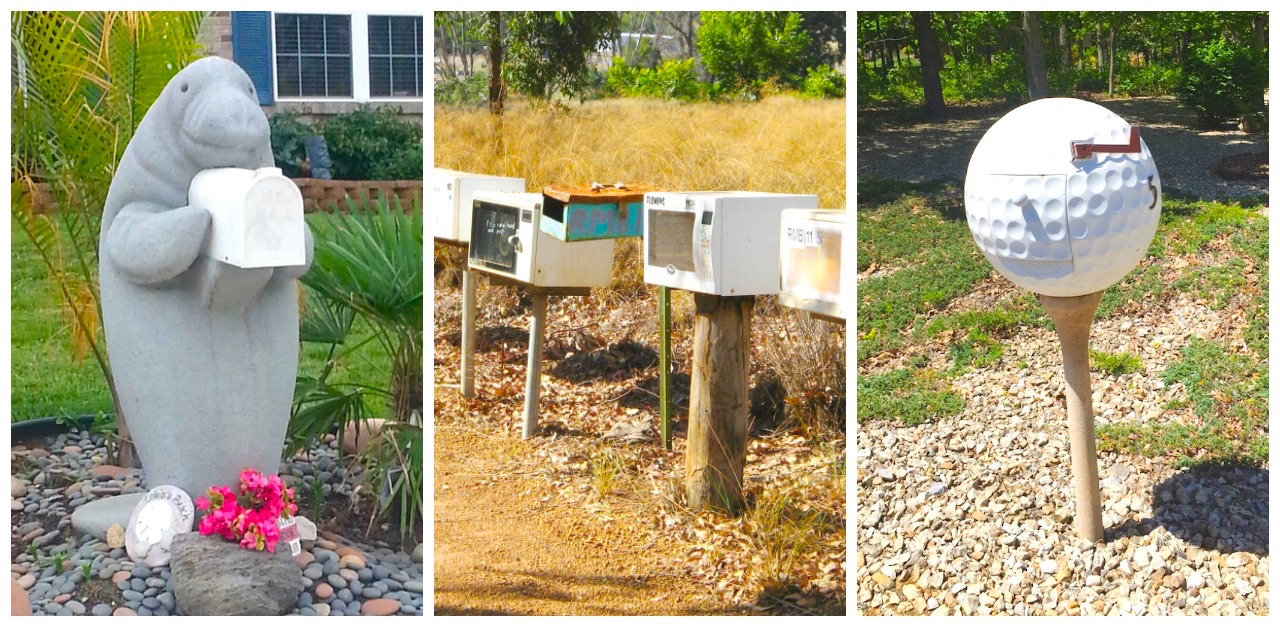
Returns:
<point x="492" y="228"/>
<point x="1027" y="218"/>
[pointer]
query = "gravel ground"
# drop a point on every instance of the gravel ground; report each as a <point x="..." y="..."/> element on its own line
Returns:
<point x="973" y="514"/>
<point x="52" y="481"/>
<point x="1184" y="155"/>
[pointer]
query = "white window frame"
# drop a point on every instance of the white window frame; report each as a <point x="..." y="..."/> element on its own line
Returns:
<point x="359" y="58"/>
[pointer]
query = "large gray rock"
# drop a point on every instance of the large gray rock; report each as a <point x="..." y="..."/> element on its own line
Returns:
<point x="97" y="516"/>
<point x="214" y="577"/>
<point x="204" y="354"/>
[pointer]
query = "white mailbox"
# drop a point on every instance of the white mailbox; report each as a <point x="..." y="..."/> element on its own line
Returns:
<point x="506" y="241"/>
<point x="811" y="258"/>
<point x="451" y="193"/>
<point x="257" y="219"/>
<point x="718" y="243"/>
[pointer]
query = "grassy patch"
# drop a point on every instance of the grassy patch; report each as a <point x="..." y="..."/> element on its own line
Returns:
<point x="919" y="233"/>
<point x="785" y="531"/>
<point x="976" y="350"/>
<point x="1115" y="364"/>
<point x="47" y="381"/>
<point x="911" y="395"/>
<point x="1228" y="393"/>
<point x="1007" y="315"/>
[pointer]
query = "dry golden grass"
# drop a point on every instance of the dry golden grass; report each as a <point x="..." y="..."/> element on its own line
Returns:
<point x="782" y="144"/>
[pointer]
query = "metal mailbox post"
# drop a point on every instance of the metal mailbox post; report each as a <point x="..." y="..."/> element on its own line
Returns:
<point x="1063" y="197"/>
<point x="558" y="243"/>
<point x="451" y="224"/>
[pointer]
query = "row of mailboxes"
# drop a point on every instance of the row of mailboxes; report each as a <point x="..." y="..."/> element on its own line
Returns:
<point x="724" y="243"/>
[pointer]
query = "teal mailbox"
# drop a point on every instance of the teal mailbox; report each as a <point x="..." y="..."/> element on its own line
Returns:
<point x="580" y="213"/>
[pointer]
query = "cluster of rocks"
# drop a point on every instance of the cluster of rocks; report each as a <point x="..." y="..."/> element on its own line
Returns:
<point x="972" y="515"/>
<point x="337" y="576"/>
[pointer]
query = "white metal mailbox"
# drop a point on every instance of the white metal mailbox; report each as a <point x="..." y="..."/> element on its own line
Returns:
<point x="718" y="243"/>
<point x="811" y="258"/>
<point x="257" y="218"/>
<point x="1062" y="197"/>
<point x="506" y="241"/>
<point x="451" y="193"/>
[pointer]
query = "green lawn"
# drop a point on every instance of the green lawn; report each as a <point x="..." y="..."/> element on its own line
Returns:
<point x="48" y="382"/>
<point x="915" y="243"/>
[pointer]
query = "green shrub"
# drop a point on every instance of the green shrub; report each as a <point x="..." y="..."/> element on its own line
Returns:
<point x="824" y="82"/>
<point x="1220" y="80"/>
<point x="374" y="144"/>
<point x="745" y="48"/>
<point x="1147" y="80"/>
<point x="673" y="80"/>
<point x="289" y="133"/>
<point x="1002" y="79"/>
<point x="464" y="91"/>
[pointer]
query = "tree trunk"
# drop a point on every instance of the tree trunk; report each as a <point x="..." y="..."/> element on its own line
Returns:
<point x="1037" y="77"/>
<point x="717" y="445"/>
<point x="1064" y="45"/>
<point x="496" y="95"/>
<point x="1085" y="40"/>
<point x="1099" y="38"/>
<point x="930" y="63"/>
<point x="1111" y="68"/>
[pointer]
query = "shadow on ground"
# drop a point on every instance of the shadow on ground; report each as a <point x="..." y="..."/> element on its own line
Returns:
<point x="592" y="594"/>
<point x="1213" y="507"/>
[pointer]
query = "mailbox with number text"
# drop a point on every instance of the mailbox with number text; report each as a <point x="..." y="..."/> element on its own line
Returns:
<point x="811" y="260"/>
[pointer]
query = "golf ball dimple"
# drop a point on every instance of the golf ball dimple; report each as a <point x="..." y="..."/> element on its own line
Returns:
<point x="1054" y="224"/>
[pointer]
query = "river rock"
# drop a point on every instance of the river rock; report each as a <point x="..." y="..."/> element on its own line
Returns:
<point x="96" y="517"/>
<point x="214" y="577"/>
<point x="21" y="603"/>
<point x="115" y="536"/>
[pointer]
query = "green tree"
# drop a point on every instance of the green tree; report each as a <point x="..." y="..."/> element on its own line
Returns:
<point x="746" y="48"/>
<point x="548" y="52"/>
<point x="81" y="83"/>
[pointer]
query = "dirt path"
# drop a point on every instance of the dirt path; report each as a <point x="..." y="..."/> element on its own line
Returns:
<point x="507" y="546"/>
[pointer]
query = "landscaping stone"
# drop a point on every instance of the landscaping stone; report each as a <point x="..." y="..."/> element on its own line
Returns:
<point x="115" y="536"/>
<point x="210" y="576"/>
<point x="17" y="489"/>
<point x="306" y="529"/>
<point x="380" y="607"/>
<point x="97" y="516"/>
<point x="20" y="601"/>
<point x="358" y="435"/>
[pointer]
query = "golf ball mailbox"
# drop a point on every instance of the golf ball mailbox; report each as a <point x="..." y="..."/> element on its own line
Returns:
<point x="451" y="193"/>
<point x="506" y="241"/>
<point x="811" y="257"/>
<point x="719" y="243"/>
<point x="1062" y="197"/>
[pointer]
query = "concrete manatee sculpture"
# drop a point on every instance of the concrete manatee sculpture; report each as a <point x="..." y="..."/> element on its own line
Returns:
<point x="204" y="354"/>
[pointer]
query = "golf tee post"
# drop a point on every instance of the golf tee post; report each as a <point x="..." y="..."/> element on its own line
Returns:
<point x="1072" y="316"/>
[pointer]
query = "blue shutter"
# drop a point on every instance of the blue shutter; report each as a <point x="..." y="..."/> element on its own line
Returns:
<point x="251" y="49"/>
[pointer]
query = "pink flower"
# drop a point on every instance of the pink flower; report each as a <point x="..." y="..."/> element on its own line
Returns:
<point x="250" y="517"/>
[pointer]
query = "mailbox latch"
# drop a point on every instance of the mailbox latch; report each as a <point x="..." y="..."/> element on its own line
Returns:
<point x="1084" y="150"/>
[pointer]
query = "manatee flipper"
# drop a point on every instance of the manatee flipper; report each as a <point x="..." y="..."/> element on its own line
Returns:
<point x="289" y="273"/>
<point x="227" y="287"/>
<point x="149" y="243"/>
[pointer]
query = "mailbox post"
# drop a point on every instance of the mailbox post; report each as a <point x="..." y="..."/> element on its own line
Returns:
<point x="1063" y="197"/>
<point x="719" y="245"/>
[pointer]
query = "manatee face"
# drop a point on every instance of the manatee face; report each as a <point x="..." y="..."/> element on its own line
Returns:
<point x="215" y="107"/>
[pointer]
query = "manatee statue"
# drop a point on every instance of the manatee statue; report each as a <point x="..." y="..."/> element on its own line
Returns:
<point x="205" y="354"/>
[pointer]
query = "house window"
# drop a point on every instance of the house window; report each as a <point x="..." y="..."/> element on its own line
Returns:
<point x="395" y="56"/>
<point x="313" y="55"/>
